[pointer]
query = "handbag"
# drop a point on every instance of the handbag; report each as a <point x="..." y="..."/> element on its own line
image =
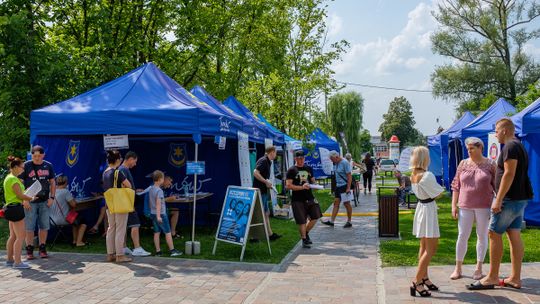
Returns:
<point x="119" y="200"/>
<point x="71" y="217"/>
<point x="362" y="168"/>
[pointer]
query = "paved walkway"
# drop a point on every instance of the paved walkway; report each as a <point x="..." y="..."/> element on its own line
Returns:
<point x="342" y="267"/>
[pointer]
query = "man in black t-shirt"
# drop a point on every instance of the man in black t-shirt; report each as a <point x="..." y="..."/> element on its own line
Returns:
<point x="513" y="192"/>
<point x="261" y="174"/>
<point x="305" y="209"/>
<point x="42" y="170"/>
<point x="133" y="223"/>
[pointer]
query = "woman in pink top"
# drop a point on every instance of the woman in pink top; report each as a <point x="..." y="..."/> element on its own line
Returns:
<point x="472" y="193"/>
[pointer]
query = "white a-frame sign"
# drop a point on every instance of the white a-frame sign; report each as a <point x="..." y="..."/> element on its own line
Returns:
<point x="242" y="216"/>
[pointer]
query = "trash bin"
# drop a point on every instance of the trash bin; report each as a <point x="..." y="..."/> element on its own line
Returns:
<point x="388" y="216"/>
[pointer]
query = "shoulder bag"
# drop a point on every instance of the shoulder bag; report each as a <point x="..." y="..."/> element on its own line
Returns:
<point x="119" y="200"/>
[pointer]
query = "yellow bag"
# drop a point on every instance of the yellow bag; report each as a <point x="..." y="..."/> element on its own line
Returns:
<point x="119" y="200"/>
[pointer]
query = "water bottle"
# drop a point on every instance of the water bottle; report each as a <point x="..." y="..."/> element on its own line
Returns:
<point x="186" y="190"/>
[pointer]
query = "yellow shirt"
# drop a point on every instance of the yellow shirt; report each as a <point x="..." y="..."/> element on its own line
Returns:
<point x="9" y="194"/>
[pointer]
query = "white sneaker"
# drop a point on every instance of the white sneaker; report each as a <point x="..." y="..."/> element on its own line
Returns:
<point x="127" y="251"/>
<point x="140" y="252"/>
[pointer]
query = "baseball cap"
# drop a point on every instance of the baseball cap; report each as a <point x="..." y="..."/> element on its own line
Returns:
<point x="299" y="153"/>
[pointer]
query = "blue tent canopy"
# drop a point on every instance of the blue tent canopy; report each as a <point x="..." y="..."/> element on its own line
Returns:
<point x="528" y="128"/>
<point x="235" y="105"/>
<point x="485" y="123"/>
<point x="445" y="137"/>
<point x="314" y="158"/>
<point x="528" y="120"/>
<point x="285" y="136"/>
<point x="246" y="125"/>
<point x="143" y="101"/>
<point x="434" y="146"/>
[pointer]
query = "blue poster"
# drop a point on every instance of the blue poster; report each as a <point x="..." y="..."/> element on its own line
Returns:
<point x="235" y="215"/>
<point x="195" y="168"/>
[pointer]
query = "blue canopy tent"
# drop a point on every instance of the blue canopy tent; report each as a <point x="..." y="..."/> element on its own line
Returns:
<point x="447" y="137"/>
<point x="255" y="133"/>
<point x="528" y="129"/>
<point x="161" y="119"/>
<point x="236" y="106"/>
<point x="286" y="137"/>
<point x="435" y="164"/>
<point x="314" y="158"/>
<point x="485" y="123"/>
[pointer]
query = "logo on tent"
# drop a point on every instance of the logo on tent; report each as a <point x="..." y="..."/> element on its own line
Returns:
<point x="72" y="155"/>
<point x="177" y="155"/>
<point x="256" y="132"/>
<point x="224" y="124"/>
<point x="315" y="154"/>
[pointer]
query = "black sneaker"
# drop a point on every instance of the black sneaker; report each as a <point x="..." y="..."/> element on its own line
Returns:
<point x="347" y="225"/>
<point x="30" y="252"/>
<point x="328" y="223"/>
<point x="308" y="239"/>
<point x="158" y="254"/>
<point x="305" y="243"/>
<point x="274" y="236"/>
<point x="43" y="251"/>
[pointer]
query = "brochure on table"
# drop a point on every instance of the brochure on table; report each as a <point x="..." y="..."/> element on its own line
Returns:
<point x="242" y="217"/>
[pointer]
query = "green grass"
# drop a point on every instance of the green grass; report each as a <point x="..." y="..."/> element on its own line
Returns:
<point x="404" y="252"/>
<point x="255" y="252"/>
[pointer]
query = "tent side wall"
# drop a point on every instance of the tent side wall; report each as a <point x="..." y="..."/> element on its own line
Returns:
<point x="532" y="145"/>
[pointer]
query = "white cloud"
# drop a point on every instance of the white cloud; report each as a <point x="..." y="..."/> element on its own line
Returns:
<point x="335" y="24"/>
<point x="401" y="52"/>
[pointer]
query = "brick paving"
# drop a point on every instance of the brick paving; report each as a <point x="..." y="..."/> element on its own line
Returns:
<point x="342" y="267"/>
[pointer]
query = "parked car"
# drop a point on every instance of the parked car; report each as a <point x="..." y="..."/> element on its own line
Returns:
<point x="387" y="165"/>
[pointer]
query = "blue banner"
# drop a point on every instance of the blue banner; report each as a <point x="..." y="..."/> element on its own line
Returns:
<point x="235" y="214"/>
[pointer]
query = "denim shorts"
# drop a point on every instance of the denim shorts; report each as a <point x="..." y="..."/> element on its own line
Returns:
<point x="164" y="226"/>
<point x="39" y="212"/>
<point x="264" y="198"/>
<point x="510" y="217"/>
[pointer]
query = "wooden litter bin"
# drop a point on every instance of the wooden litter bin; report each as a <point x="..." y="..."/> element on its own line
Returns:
<point x="388" y="216"/>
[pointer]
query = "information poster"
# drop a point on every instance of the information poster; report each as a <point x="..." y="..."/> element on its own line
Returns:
<point x="494" y="147"/>
<point x="242" y="217"/>
<point x="243" y="160"/>
<point x="111" y="142"/>
<point x="404" y="160"/>
<point x="236" y="210"/>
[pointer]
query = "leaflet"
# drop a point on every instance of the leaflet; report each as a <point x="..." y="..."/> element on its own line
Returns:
<point x="347" y="196"/>
<point x="34" y="189"/>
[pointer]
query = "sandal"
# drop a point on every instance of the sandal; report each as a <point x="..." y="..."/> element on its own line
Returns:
<point x="477" y="285"/>
<point x="414" y="289"/>
<point x="503" y="283"/>
<point x="430" y="286"/>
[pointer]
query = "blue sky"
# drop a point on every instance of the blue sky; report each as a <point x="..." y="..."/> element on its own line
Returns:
<point x="390" y="47"/>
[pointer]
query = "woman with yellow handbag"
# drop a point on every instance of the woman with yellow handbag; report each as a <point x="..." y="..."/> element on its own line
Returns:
<point x="119" y="201"/>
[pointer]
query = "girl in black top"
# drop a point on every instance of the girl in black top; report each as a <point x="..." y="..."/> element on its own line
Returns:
<point x="368" y="175"/>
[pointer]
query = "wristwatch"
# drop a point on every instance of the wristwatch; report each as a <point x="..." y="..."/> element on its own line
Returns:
<point x="51" y="197"/>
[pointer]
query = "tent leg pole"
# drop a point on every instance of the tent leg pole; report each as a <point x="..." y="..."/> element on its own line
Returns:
<point x="194" y="195"/>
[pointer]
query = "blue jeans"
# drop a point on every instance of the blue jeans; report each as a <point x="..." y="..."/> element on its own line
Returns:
<point x="264" y="198"/>
<point x="164" y="226"/>
<point x="39" y="212"/>
<point x="510" y="217"/>
<point x="402" y="193"/>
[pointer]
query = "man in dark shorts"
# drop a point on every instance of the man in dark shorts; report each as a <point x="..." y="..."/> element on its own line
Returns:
<point x="261" y="174"/>
<point x="42" y="170"/>
<point x="343" y="174"/>
<point x="513" y="192"/>
<point x="133" y="222"/>
<point x="305" y="209"/>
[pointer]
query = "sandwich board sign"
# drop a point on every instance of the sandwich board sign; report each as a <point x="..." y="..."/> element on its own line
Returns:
<point x="242" y="217"/>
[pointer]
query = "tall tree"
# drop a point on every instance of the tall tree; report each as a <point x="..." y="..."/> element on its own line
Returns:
<point x="345" y="111"/>
<point x="399" y="121"/>
<point x="486" y="38"/>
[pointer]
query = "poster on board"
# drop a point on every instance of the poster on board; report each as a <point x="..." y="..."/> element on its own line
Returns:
<point x="242" y="217"/>
<point x="244" y="162"/>
<point x="494" y="147"/>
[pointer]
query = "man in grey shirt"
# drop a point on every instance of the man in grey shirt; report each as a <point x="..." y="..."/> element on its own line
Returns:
<point x="343" y="174"/>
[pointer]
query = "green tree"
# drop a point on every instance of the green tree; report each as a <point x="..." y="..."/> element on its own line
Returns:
<point x="364" y="141"/>
<point x="345" y="112"/>
<point x="486" y="39"/>
<point x="399" y="121"/>
<point x="532" y="94"/>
